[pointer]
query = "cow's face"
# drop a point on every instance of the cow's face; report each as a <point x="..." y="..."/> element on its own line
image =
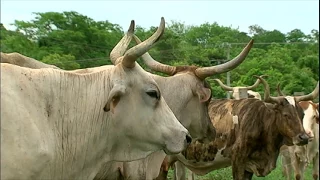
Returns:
<point x="143" y="119"/>
<point x="311" y="117"/>
<point x="199" y="117"/>
<point x="240" y="92"/>
<point x="290" y="124"/>
<point x="192" y="97"/>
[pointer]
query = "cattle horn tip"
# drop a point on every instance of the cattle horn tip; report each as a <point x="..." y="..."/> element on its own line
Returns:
<point x="131" y="28"/>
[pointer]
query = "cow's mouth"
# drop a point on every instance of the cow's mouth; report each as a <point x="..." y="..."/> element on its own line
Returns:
<point x="169" y="152"/>
<point x="311" y="139"/>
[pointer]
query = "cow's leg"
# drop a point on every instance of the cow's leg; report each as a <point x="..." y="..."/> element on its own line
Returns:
<point x="237" y="172"/>
<point x="190" y="174"/>
<point x="238" y="161"/>
<point x="179" y="171"/>
<point x="296" y="167"/>
<point x="162" y="174"/>
<point x="286" y="167"/>
<point x="315" y="172"/>
<point x="164" y="168"/>
<point x="302" y="166"/>
<point x="248" y="175"/>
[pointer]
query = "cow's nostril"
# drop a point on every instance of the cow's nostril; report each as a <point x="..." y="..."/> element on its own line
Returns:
<point x="303" y="137"/>
<point x="188" y="138"/>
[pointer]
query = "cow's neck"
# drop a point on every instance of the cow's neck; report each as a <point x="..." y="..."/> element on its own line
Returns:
<point x="81" y="127"/>
<point x="273" y="140"/>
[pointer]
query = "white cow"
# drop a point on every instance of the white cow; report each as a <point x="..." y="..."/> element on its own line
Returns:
<point x="236" y="90"/>
<point x="63" y="125"/>
<point x="196" y="119"/>
<point x="187" y="94"/>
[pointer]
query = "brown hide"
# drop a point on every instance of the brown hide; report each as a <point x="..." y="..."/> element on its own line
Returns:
<point x="256" y="135"/>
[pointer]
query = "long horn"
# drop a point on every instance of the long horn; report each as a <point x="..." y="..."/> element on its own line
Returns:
<point x="256" y="84"/>
<point x="122" y="45"/>
<point x="267" y="97"/>
<point x="153" y="64"/>
<point x="204" y="72"/>
<point x="280" y="93"/>
<point x="309" y="97"/>
<point x="135" y="52"/>
<point x="225" y="87"/>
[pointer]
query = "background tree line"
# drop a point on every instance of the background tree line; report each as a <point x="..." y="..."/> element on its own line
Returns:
<point x="71" y="40"/>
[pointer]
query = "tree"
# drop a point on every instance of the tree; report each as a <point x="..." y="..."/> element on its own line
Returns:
<point x="296" y="35"/>
<point x="71" y="40"/>
<point x="65" y="61"/>
<point x="71" y="32"/>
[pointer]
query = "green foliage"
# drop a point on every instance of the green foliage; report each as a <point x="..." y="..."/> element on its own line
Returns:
<point x="66" y="62"/>
<point x="71" y="40"/>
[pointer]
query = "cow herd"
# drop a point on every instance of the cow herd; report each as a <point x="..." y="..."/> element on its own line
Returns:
<point x="121" y="122"/>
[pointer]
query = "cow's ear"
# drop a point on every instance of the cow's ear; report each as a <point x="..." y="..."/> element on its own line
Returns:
<point x="203" y="93"/>
<point x="114" y="97"/>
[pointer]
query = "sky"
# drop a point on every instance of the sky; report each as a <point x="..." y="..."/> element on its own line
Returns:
<point x="283" y="15"/>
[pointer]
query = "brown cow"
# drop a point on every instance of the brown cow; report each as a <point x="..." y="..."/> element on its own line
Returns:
<point x="249" y="135"/>
<point x="296" y="158"/>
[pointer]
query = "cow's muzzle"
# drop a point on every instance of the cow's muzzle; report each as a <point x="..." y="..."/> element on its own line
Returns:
<point x="301" y="139"/>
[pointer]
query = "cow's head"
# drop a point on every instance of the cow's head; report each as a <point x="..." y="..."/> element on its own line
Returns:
<point x="311" y="117"/>
<point x="238" y="90"/>
<point x="144" y="123"/>
<point x="253" y="94"/>
<point x="289" y="123"/>
<point x="188" y="95"/>
<point x="309" y="114"/>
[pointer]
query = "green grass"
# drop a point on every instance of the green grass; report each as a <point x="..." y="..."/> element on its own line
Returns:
<point x="226" y="174"/>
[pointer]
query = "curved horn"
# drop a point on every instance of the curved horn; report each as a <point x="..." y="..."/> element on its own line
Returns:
<point x="310" y="96"/>
<point x="135" y="52"/>
<point x="280" y="93"/>
<point x="204" y="72"/>
<point x="153" y="64"/>
<point x="225" y="87"/>
<point x="267" y="97"/>
<point x="122" y="45"/>
<point x="256" y="84"/>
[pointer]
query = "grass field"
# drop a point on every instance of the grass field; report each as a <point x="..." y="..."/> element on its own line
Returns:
<point x="225" y="174"/>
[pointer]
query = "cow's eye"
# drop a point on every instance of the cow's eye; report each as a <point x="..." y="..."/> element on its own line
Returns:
<point x="153" y="94"/>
